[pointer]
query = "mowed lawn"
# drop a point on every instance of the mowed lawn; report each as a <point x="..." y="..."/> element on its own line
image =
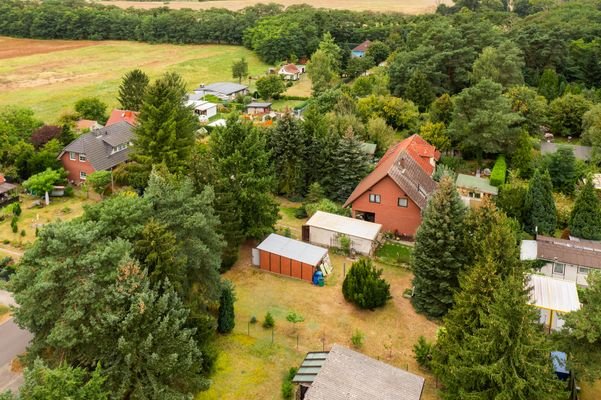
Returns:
<point x="250" y="366"/>
<point x="50" y="76"/>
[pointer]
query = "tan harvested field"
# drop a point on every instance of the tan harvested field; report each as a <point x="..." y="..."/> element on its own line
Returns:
<point x="49" y="76"/>
<point x="402" y="6"/>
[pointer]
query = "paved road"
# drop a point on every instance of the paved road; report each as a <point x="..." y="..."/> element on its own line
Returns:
<point x="13" y="341"/>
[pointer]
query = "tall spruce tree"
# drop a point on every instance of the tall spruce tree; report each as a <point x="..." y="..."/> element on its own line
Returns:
<point x="563" y="170"/>
<point x="439" y="254"/>
<point x="132" y="89"/>
<point x="289" y="153"/>
<point x="493" y="253"/>
<point x="346" y="167"/>
<point x="226" y="319"/>
<point x="585" y="221"/>
<point x="540" y="214"/>
<point x="508" y="357"/>
<point x="242" y="167"/>
<point x="165" y="131"/>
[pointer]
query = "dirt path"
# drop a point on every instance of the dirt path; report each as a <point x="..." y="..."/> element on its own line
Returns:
<point x="15" y="253"/>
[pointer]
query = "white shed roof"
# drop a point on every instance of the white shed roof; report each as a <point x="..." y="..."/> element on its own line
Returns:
<point x="293" y="249"/>
<point x="554" y="294"/>
<point x="528" y="250"/>
<point x="348" y="226"/>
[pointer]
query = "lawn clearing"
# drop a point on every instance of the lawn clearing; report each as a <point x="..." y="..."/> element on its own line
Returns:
<point x="394" y="253"/>
<point x="51" y="75"/>
<point x="301" y="88"/>
<point x="250" y="365"/>
<point x="405" y="6"/>
<point x="63" y="208"/>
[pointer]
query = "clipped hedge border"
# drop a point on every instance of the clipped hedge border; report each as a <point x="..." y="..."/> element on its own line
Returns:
<point x="499" y="172"/>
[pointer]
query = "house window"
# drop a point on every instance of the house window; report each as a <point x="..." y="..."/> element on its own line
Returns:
<point x="82" y="157"/>
<point x="121" y="147"/>
<point x="71" y="155"/>
<point x="583" y="270"/>
<point x="374" y="198"/>
<point x="559" y="268"/>
<point x="474" y="195"/>
<point x="403" y="202"/>
<point x="82" y="175"/>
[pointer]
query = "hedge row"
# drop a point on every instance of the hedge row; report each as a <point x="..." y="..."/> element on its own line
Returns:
<point x="499" y="171"/>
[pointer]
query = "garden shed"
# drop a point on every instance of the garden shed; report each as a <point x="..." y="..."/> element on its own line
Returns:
<point x="325" y="229"/>
<point x="553" y="297"/>
<point x="289" y="257"/>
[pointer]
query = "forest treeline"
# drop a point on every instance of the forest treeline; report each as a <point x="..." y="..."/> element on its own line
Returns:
<point x="564" y="37"/>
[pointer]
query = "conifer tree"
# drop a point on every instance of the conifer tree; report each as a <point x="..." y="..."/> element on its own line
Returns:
<point x="242" y="167"/>
<point x="346" y="167"/>
<point x="288" y="152"/>
<point x="132" y="89"/>
<point x="226" y="319"/>
<point x="563" y="170"/>
<point x="540" y="214"/>
<point x="585" y="221"/>
<point x="439" y="254"/>
<point x="508" y="357"/>
<point x="165" y="131"/>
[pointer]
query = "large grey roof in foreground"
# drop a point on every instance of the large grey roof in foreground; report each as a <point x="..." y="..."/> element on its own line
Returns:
<point x="98" y="145"/>
<point x="349" y="375"/>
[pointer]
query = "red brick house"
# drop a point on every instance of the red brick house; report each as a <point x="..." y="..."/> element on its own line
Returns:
<point x="396" y="191"/>
<point x="99" y="150"/>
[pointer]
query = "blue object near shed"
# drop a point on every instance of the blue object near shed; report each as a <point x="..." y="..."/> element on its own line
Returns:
<point x="560" y="359"/>
<point x="318" y="278"/>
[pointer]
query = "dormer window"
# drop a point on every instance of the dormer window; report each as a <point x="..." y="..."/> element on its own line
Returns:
<point x="82" y="157"/>
<point x="119" y="148"/>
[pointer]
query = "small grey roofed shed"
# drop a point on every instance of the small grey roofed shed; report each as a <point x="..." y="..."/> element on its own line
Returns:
<point x="256" y="104"/>
<point x="294" y="249"/>
<point x="349" y="375"/>
<point x="98" y="145"/>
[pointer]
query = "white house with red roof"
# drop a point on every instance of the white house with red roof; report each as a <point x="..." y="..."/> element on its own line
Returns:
<point x="397" y="190"/>
<point x="290" y="72"/>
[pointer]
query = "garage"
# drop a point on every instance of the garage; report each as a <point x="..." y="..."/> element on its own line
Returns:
<point x="325" y="229"/>
<point x="289" y="257"/>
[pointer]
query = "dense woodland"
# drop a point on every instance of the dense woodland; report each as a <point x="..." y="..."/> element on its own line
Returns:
<point x="480" y="82"/>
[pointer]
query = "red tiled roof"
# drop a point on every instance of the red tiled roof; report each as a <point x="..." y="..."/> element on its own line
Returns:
<point x="363" y="46"/>
<point x="85" y="124"/>
<point x="2" y="180"/>
<point x="291" y="69"/>
<point x="408" y="164"/>
<point x="122" y="115"/>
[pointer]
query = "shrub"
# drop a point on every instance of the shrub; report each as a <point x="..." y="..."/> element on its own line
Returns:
<point x="423" y="352"/>
<point x="16" y="209"/>
<point x="364" y="286"/>
<point x="7" y="268"/>
<point x="268" y="322"/>
<point x="345" y="244"/>
<point x="328" y="206"/>
<point x="287" y="386"/>
<point x="294" y="318"/>
<point x="499" y="171"/>
<point x="253" y="320"/>
<point x="357" y="339"/>
<point x="13" y="224"/>
<point x="300" y="213"/>
<point x="23" y="233"/>
<point x="226" y="319"/>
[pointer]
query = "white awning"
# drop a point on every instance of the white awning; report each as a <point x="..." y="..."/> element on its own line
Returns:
<point x="293" y="249"/>
<point x="553" y="294"/>
<point x="345" y="225"/>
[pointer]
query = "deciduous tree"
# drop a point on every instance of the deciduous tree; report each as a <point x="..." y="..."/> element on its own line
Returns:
<point x="566" y="112"/>
<point x="270" y="87"/>
<point x="99" y="180"/>
<point x="42" y="183"/>
<point x="91" y="108"/>
<point x="240" y="69"/>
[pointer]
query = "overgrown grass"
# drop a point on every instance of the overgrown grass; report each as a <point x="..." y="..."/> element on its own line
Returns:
<point x="394" y="253"/>
<point x="51" y="82"/>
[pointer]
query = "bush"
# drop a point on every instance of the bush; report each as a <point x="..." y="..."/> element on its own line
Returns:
<point x="300" y="213"/>
<point x="268" y="322"/>
<point x="357" y="339"/>
<point x="23" y="233"/>
<point x="13" y="224"/>
<point x="287" y="386"/>
<point x="253" y="320"/>
<point x="226" y="319"/>
<point x="16" y="209"/>
<point x="364" y="286"/>
<point x="328" y="206"/>
<point x="499" y="171"/>
<point x="345" y="244"/>
<point x="423" y="352"/>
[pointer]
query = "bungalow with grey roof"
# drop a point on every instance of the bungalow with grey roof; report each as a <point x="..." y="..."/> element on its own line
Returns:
<point x="223" y="90"/>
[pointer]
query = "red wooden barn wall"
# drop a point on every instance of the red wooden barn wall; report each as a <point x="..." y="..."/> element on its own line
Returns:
<point x="285" y="266"/>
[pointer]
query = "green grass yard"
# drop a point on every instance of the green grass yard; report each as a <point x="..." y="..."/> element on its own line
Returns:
<point x="394" y="253"/>
<point x="52" y="78"/>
